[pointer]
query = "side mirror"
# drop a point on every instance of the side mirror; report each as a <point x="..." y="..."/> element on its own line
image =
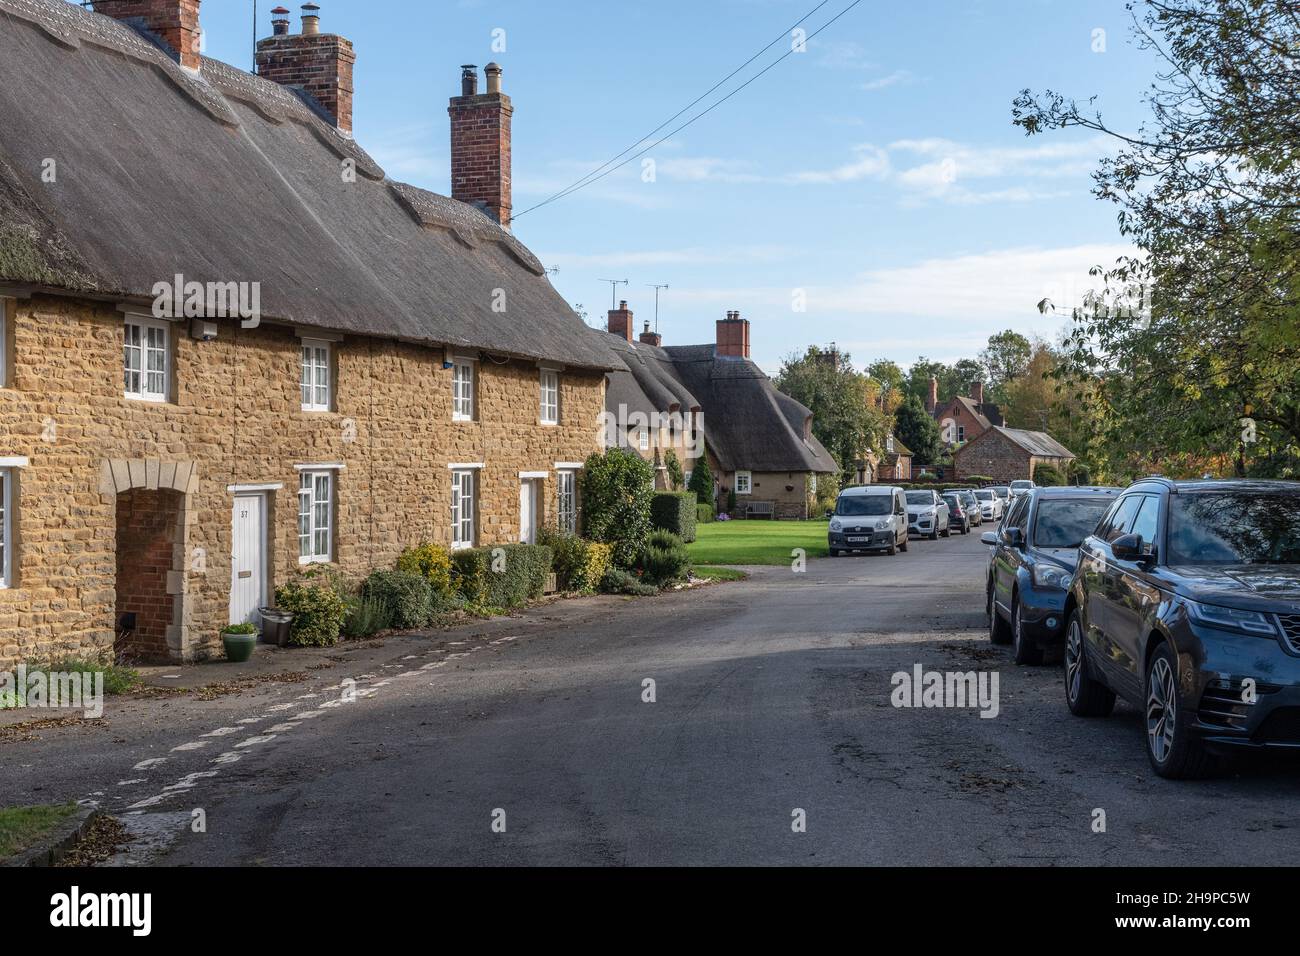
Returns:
<point x="1014" y="537"/>
<point x="989" y="538"/>
<point x="1127" y="547"/>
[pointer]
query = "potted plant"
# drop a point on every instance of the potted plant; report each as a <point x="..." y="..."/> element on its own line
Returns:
<point x="239" y="639"/>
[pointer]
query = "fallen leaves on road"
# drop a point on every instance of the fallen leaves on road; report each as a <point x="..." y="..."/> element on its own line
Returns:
<point x="25" y="730"/>
<point x="227" y="688"/>
<point x="103" y="837"/>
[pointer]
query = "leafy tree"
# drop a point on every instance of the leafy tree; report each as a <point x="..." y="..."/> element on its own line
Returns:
<point x="917" y="429"/>
<point x="847" y="417"/>
<point x="1195" y="341"/>
<point x="617" y="489"/>
<point x="955" y="379"/>
<point x="1005" y="359"/>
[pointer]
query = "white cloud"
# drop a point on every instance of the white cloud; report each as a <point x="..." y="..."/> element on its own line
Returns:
<point x="888" y="80"/>
<point x="870" y="163"/>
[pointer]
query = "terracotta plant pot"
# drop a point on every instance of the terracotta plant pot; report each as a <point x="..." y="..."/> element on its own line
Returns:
<point x="239" y="647"/>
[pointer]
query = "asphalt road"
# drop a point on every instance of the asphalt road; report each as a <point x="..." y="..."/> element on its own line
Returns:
<point x="771" y="696"/>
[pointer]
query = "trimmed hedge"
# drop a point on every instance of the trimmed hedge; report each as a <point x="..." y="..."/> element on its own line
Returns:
<point x="504" y="577"/>
<point x="408" y="597"/>
<point x="705" y="514"/>
<point x="665" y="560"/>
<point x="675" y="511"/>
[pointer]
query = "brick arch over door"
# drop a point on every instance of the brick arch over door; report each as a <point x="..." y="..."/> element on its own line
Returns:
<point x="136" y="489"/>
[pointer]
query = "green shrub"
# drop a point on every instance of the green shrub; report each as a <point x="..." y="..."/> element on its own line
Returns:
<point x="367" y="616"/>
<point x="503" y="577"/>
<point x="705" y="514"/>
<point x="702" y="481"/>
<point x="665" y="560"/>
<point x="616" y="491"/>
<point x="318" y="612"/>
<point x="600" y="558"/>
<point x="676" y="512"/>
<point x="432" y="562"/>
<point x="676" y="477"/>
<point x="408" y="596"/>
<point x="1048" y="476"/>
<point x="240" y="629"/>
<point x="569" y="559"/>
<point x="618" y="581"/>
<point x="117" y="678"/>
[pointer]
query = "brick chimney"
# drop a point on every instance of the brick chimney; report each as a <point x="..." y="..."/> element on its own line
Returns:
<point x="319" y="63"/>
<point x="651" y="338"/>
<point x="480" y="145"/>
<point x="932" y="400"/>
<point x="733" y="336"/>
<point x="977" y="392"/>
<point x="620" y="321"/>
<point x="173" y="22"/>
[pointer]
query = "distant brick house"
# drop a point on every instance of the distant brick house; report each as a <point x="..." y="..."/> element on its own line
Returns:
<point x="411" y="374"/>
<point x="896" y="463"/>
<point x="963" y="418"/>
<point x="713" y="400"/>
<point x="1010" y="454"/>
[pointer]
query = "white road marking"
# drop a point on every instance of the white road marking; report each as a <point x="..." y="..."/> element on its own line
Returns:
<point x="254" y="741"/>
<point x="192" y="745"/>
<point x="151" y="762"/>
<point x="131" y="783"/>
<point x="222" y="732"/>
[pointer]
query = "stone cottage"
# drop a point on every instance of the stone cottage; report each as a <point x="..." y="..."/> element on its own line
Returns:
<point x="713" y="400"/>
<point x="1010" y="454"/>
<point x="234" y="349"/>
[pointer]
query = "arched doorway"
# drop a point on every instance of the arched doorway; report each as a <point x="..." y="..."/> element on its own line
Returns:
<point x="151" y="499"/>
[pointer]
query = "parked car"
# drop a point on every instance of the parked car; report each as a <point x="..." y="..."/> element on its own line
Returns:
<point x="869" y="518"/>
<point x="927" y="515"/>
<point x="972" y="506"/>
<point x="1003" y="492"/>
<point x="990" y="504"/>
<point x="1186" y="603"/>
<point x="957" y="516"/>
<point x="1032" y="563"/>
<point x="1021" y="487"/>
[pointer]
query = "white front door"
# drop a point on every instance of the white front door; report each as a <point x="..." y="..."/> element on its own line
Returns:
<point x="528" y="512"/>
<point x="248" y="560"/>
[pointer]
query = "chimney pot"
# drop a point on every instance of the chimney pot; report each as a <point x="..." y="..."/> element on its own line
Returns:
<point x="620" y="321"/>
<point x="310" y="19"/>
<point x="733" y="336"/>
<point x="280" y="21"/>
<point x="493" y="71"/>
<point x="469" y="80"/>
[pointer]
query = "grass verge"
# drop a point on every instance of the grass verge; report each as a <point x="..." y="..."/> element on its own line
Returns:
<point x="758" y="542"/>
<point x="718" y="574"/>
<point x="22" y="827"/>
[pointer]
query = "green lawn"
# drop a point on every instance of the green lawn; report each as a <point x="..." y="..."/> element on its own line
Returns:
<point x="22" y="827"/>
<point x="758" y="542"/>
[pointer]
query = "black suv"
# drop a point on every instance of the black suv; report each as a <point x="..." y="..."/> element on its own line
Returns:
<point x="1032" y="563"/>
<point x="1186" y="602"/>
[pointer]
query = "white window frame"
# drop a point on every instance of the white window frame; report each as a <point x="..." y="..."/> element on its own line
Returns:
<point x="310" y="370"/>
<point x="463" y="376"/>
<point x="549" y="398"/>
<point x="464" y="507"/>
<point x="643" y="438"/>
<point x="8" y="503"/>
<point x="744" y="484"/>
<point x="567" y="516"/>
<point x="309" y="488"/>
<point x="144" y="393"/>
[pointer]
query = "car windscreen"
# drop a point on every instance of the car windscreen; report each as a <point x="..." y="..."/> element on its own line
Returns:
<point x="856" y="506"/>
<point x="1234" y="527"/>
<point x="1065" y="523"/>
<point x="985" y="495"/>
<point x="920" y="498"/>
<point x="952" y="501"/>
<point x="1017" y="485"/>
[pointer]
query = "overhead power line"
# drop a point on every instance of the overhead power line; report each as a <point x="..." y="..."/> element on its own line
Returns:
<point x="609" y="167"/>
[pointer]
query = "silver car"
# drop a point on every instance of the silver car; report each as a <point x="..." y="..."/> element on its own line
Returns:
<point x="990" y="504"/>
<point x="927" y="515"/>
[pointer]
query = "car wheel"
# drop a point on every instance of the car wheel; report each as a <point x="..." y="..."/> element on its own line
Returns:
<point x="934" y="535"/>
<point x="999" y="632"/>
<point x="1027" y="653"/>
<point x="893" y="548"/>
<point x="1174" y="751"/>
<point x="1084" y="696"/>
<point x="906" y="543"/>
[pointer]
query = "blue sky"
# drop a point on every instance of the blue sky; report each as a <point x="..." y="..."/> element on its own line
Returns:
<point x="878" y="172"/>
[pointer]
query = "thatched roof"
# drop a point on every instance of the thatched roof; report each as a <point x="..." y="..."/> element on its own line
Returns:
<point x="748" y="424"/>
<point x="225" y="177"/>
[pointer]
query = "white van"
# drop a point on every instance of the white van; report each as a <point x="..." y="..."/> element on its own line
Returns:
<point x="870" y="518"/>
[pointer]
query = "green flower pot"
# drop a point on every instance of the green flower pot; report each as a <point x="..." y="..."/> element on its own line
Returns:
<point x="239" y="647"/>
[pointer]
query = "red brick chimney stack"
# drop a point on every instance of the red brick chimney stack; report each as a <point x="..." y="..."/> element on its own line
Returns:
<point x="733" y="336"/>
<point x="620" y="321"/>
<point x="480" y="145"/>
<point x="174" y="22"/>
<point x="977" y="392"/>
<point x="319" y="63"/>
<point x="932" y="401"/>
<point x="651" y="338"/>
